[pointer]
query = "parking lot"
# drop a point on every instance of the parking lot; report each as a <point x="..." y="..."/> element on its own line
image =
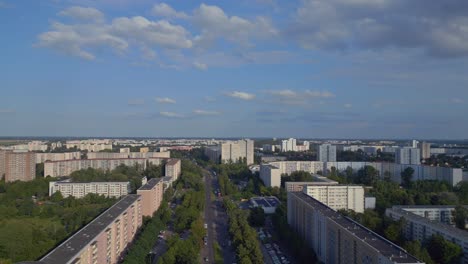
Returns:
<point x="273" y="249"/>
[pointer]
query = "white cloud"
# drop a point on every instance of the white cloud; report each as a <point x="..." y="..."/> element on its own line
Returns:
<point x="214" y="24"/>
<point x="283" y="93"/>
<point x="241" y="95"/>
<point x="206" y="112"/>
<point x="457" y="101"/>
<point x="436" y="27"/>
<point x="319" y="94"/>
<point x="83" y="13"/>
<point x="165" y="10"/>
<point x="171" y="114"/>
<point x="200" y="66"/>
<point x="348" y="105"/>
<point x="134" y="102"/>
<point x="81" y="39"/>
<point x="165" y="100"/>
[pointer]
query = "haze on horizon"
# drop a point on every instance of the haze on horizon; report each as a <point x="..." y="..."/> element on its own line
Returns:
<point x="263" y="68"/>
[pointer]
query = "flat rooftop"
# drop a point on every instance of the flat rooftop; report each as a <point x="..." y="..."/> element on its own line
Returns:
<point x="150" y="184"/>
<point x="380" y="244"/>
<point x="172" y="161"/>
<point x="448" y="229"/>
<point x="265" y="201"/>
<point x="69" y="249"/>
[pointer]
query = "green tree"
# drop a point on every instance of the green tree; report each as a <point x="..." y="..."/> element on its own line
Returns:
<point x="406" y="176"/>
<point x="257" y="216"/>
<point x="461" y="217"/>
<point x="443" y="251"/>
<point x="367" y="175"/>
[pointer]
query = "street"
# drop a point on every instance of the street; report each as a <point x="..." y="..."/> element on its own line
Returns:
<point x="216" y="218"/>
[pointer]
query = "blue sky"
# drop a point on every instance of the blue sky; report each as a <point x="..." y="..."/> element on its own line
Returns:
<point x="258" y="68"/>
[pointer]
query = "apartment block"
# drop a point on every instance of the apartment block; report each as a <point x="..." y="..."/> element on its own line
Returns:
<point x="299" y="186"/>
<point x="92" y="145"/>
<point x="232" y="151"/>
<point x="173" y="168"/>
<point x="42" y="157"/>
<point x="129" y="155"/>
<point x="151" y="195"/>
<point x="339" y="240"/>
<point x="103" y="240"/>
<point x="66" y="167"/>
<point x="20" y="166"/>
<point x="81" y="189"/>
<point x="348" y="197"/>
<point x="436" y="213"/>
<point x="408" y="156"/>
<point x="425" y="150"/>
<point x="326" y="153"/>
<point x="421" y="172"/>
<point x="3" y="162"/>
<point x="288" y="145"/>
<point x="421" y="228"/>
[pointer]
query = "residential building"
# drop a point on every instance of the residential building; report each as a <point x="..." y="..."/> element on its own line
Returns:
<point x="268" y="147"/>
<point x="66" y="167"/>
<point x="421" y="228"/>
<point x="408" y="156"/>
<point x="436" y="213"/>
<point x="134" y="155"/>
<point x="339" y="240"/>
<point x="425" y="150"/>
<point x="124" y="150"/>
<point x="151" y="196"/>
<point x="81" y="189"/>
<point x="268" y="204"/>
<point x="421" y="172"/>
<point x="326" y="153"/>
<point x="92" y="145"/>
<point x="304" y="147"/>
<point x="270" y="175"/>
<point x="288" y="145"/>
<point x="232" y="151"/>
<point x="20" y="166"/>
<point x="42" y="157"/>
<point x="3" y="162"/>
<point x="144" y="149"/>
<point x="299" y="186"/>
<point x="348" y="197"/>
<point x="103" y="240"/>
<point x="414" y="143"/>
<point x="173" y="168"/>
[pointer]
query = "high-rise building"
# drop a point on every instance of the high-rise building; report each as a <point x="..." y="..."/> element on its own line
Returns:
<point x="336" y="239"/>
<point x="232" y="151"/>
<point x="20" y="166"/>
<point x="407" y="156"/>
<point x="3" y="162"/>
<point x="288" y="145"/>
<point x="349" y="197"/>
<point x="151" y="196"/>
<point x="81" y="189"/>
<point x="103" y="240"/>
<point x="42" y="157"/>
<point x="326" y="153"/>
<point x="173" y="168"/>
<point x="268" y="147"/>
<point x="414" y="143"/>
<point x="425" y="150"/>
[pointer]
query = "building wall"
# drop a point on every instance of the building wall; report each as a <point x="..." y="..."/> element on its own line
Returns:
<point x="336" y="240"/>
<point x="79" y="190"/>
<point x="2" y="163"/>
<point x="421" y="229"/>
<point x="338" y="196"/>
<point x="173" y="168"/>
<point x="151" y="198"/>
<point x="66" y="167"/>
<point x="20" y="166"/>
<point x="326" y="153"/>
<point x="232" y="151"/>
<point x="42" y="157"/>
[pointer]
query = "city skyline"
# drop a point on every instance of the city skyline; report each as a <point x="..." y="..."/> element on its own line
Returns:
<point x="306" y="69"/>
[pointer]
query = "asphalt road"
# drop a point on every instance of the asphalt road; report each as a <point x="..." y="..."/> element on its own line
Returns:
<point x="216" y="218"/>
<point x="208" y="250"/>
